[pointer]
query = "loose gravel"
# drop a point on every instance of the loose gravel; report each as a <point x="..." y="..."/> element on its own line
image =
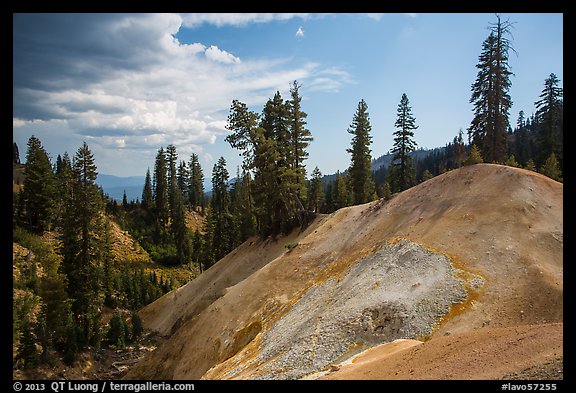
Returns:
<point x="400" y="291"/>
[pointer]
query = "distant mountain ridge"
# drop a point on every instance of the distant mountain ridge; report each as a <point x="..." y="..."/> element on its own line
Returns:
<point x="115" y="186"/>
<point x="385" y="159"/>
<point x="384" y="162"/>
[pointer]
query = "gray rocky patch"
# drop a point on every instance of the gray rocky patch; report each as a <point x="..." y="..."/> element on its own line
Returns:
<point x="400" y="291"/>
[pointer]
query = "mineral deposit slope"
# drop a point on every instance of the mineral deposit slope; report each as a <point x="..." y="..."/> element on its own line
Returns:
<point x="499" y="228"/>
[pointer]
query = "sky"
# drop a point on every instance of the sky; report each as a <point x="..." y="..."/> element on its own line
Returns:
<point x="128" y="84"/>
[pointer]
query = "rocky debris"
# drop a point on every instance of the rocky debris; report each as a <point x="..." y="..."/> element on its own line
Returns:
<point x="400" y="291"/>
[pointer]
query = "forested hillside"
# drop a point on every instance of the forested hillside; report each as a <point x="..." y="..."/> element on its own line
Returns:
<point x="78" y="276"/>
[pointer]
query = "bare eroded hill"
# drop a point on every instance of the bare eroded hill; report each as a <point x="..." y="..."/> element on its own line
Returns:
<point x="446" y="262"/>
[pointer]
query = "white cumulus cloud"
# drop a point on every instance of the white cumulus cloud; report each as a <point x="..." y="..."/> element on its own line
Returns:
<point x="216" y="54"/>
<point x="300" y="32"/>
<point x="127" y="82"/>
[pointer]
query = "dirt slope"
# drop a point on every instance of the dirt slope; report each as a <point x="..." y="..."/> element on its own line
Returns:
<point x="169" y="312"/>
<point x="501" y="227"/>
<point x="479" y="354"/>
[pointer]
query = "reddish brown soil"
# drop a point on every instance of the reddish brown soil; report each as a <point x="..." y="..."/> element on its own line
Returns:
<point x="480" y="354"/>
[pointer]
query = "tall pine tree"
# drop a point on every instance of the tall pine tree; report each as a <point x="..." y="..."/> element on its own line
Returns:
<point x="160" y="190"/>
<point x="520" y="122"/>
<point x="549" y="115"/>
<point x="147" y="196"/>
<point x="196" y="183"/>
<point x="342" y="197"/>
<point x="300" y="136"/>
<point x="219" y="221"/>
<point x="490" y="95"/>
<point x="244" y="125"/>
<point x="360" y="170"/>
<point x="179" y="229"/>
<point x="172" y="177"/>
<point x="316" y="192"/>
<point x="242" y="206"/>
<point x="39" y="192"/>
<point x="403" y="170"/>
<point x="182" y="179"/>
<point x="459" y="149"/>
<point x="82" y="242"/>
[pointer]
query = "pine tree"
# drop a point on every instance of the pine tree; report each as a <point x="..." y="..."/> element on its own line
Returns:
<point x="520" y="122"/>
<point x="360" y="169"/>
<point x="82" y="241"/>
<point x="95" y="337"/>
<point x="39" y="192"/>
<point x="124" y="200"/>
<point x="64" y="178"/>
<point x="171" y="158"/>
<point x="275" y="123"/>
<point x="403" y="145"/>
<point x="198" y="247"/>
<point x="551" y="168"/>
<point x="147" y="197"/>
<point x="490" y="95"/>
<point x="342" y="197"/>
<point x="242" y="207"/>
<point x="386" y="191"/>
<point x="107" y="270"/>
<point x="43" y="335"/>
<point x="15" y="154"/>
<point x="196" y="183"/>
<point x="27" y="345"/>
<point x="458" y="149"/>
<point x="245" y="134"/>
<point x="52" y="289"/>
<point x="281" y="173"/>
<point x="549" y="116"/>
<point x="300" y="135"/>
<point x="511" y="161"/>
<point x="160" y="190"/>
<point x="316" y="193"/>
<point x="474" y="157"/>
<point x="220" y="225"/>
<point x="116" y="332"/>
<point x="179" y="229"/>
<point x="127" y="332"/>
<point x="182" y="179"/>
<point x="71" y="341"/>
<point x="220" y="195"/>
<point x="530" y="165"/>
